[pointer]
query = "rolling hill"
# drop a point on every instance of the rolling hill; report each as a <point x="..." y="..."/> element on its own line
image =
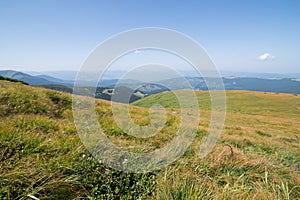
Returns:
<point x="238" y="102"/>
<point x="12" y="80"/>
<point x="24" y="77"/>
<point x="41" y="156"/>
<point x="284" y="85"/>
<point x="263" y="83"/>
<point x="32" y="80"/>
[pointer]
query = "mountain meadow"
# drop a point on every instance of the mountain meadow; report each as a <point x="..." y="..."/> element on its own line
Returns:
<point x="42" y="156"/>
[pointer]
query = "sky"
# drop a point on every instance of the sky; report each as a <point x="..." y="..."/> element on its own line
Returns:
<point x="242" y="36"/>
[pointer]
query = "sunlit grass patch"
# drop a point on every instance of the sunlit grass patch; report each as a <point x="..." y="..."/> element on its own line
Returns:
<point x="42" y="156"/>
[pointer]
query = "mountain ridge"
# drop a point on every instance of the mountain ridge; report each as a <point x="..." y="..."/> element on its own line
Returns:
<point x="267" y="84"/>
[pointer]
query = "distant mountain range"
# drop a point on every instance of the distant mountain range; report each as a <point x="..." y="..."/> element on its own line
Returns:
<point x="140" y="89"/>
<point x="116" y="74"/>
<point x="282" y="85"/>
<point x="32" y="80"/>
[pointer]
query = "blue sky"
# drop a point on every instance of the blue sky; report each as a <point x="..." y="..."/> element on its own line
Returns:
<point x="243" y="36"/>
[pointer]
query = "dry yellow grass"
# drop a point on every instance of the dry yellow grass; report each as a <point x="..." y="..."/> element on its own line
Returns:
<point x="41" y="155"/>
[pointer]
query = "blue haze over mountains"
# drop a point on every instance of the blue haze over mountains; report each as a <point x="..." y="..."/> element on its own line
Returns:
<point x="64" y="80"/>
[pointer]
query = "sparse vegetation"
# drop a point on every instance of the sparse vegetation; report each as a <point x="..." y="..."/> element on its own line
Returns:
<point x="41" y="156"/>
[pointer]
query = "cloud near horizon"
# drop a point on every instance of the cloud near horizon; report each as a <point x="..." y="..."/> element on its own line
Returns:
<point x="265" y="56"/>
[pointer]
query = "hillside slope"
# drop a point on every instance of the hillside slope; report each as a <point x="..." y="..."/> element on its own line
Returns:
<point x="262" y="128"/>
<point x="238" y="102"/>
<point x="42" y="156"/>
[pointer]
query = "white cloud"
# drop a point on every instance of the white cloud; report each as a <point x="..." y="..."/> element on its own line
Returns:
<point x="265" y="56"/>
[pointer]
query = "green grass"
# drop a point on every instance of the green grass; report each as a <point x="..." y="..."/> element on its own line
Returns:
<point x="41" y="155"/>
<point x="262" y="128"/>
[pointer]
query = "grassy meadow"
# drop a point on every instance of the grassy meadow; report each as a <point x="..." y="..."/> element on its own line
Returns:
<point x="42" y="156"/>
